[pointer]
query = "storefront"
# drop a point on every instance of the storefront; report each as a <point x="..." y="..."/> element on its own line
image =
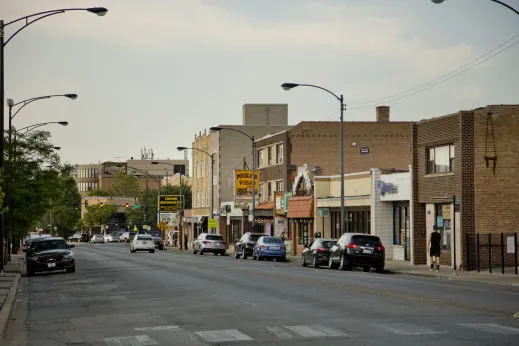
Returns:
<point x="301" y="222"/>
<point x="265" y="218"/>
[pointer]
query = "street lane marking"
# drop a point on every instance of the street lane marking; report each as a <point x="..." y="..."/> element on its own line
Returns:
<point x="139" y="340"/>
<point x="280" y="333"/>
<point x="235" y="299"/>
<point x="315" y="331"/>
<point x="407" y="329"/>
<point x="491" y="328"/>
<point x="159" y="328"/>
<point x="223" y="335"/>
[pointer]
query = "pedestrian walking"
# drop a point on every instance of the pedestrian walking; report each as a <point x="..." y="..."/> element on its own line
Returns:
<point x="435" y="249"/>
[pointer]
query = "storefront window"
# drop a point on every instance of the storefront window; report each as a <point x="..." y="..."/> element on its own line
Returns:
<point x="400" y="224"/>
<point x="303" y="233"/>
<point x="444" y="222"/>
<point x="358" y="222"/>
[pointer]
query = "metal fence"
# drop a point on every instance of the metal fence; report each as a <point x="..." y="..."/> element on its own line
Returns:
<point x="492" y="252"/>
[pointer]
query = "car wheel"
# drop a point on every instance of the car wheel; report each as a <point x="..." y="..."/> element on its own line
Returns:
<point x="201" y="252"/>
<point x="223" y="253"/>
<point x="236" y="254"/>
<point x="281" y="259"/>
<point x="194" y="251"/>
<point x="71" y="270"/>
<point x="366" y="269"/>
<point x="243" y="254"/>
<point x="303" y="263"/>
<point x="314" y="263"/>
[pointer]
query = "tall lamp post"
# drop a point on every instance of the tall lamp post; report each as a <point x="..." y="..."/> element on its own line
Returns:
<point x="288" y="86"/>
<point x="27" y="20"/>
<point x="181" y="201"/>
<point x="212" y="174"/>
<point x="31" y="128"/>
<point x="496" y="1"/>
<point x="147" y="176"/>
<point x="21" y="104"/>
<point x="216" y="128"/>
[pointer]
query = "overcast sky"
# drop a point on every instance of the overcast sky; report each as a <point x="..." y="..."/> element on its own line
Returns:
<point x="151" y="73"/>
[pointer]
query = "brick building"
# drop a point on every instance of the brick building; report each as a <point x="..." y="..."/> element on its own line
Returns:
<point x="465" y="181"/>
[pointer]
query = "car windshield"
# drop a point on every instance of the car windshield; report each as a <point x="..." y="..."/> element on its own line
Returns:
<point x="365" y="240"/>
<point x="49" y="245"/>
<point x="254" y="237"/>
<point x="98" y="236"/>
<point x="272" y="240"/>
<point x="327" y="243"/>
<point x="214" y="237"/>
<point x="144" y="237"/>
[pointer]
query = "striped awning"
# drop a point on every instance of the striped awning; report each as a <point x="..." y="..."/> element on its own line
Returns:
<point x="264" y="220"/>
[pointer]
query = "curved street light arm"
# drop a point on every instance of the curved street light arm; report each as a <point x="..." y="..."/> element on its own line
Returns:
<point x="506" y="5"/>
<point x="318" y="87"/>
<point x="203" y="151"/>
<point x="41" y="15"/>
<point x="229" y="128"/>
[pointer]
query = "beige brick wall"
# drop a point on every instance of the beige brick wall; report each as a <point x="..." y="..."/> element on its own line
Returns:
<point x="264" y="114"/>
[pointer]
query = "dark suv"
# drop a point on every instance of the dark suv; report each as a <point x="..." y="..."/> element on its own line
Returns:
<point x="358" y="250"/>
<point x="245" y="245"/>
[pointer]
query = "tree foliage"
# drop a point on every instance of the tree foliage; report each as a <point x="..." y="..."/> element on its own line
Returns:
<point x="97" y="215"/>
<point x="36" y="183"/>
<point x="124" y="185"/>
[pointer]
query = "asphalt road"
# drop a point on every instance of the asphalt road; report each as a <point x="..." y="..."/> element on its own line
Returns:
<point x="116" y="298"/>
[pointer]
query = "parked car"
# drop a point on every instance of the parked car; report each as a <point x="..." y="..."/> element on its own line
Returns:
<point x="317" y="252"/>
<point x="142" y="242"/>
<point x="49" y="254"/>
<point x="84" y="238"/>
<point x="98" y="238"/>
<point x="159" y="243"/>
<point x="270" y="247"/>
<point x="210" y="243"/>
<point x="110" y="238"/>
<point x="245" y="245"/>
<point x="75" y="238"/>
<point x="358" y="250"/>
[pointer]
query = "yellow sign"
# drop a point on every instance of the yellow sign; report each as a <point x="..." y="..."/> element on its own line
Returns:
<point x="211" y="223"/>
<point x="243" y="187"/>
<point x="446" y="212"/>
<point x="162" y="225"/>
<point x="169" y="204"/>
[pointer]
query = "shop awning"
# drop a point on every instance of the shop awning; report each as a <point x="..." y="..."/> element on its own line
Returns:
<point x="202" y="221"/>
<point x="301" y="207"/>
<point x="265" y="206"/>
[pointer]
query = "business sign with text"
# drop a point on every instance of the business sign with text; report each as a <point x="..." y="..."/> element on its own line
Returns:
<point x="243" y="187"/>
<point x="169" y="203"/>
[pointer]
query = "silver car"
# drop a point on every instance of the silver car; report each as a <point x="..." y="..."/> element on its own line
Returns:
<point x="98" y="238"/>
<point x="210" y="243"/>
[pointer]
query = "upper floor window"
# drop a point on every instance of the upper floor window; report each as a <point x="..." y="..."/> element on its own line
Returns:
<point x="279" y="185"/>
<point x="279" y="154"/>
<point x="269" y="191"/>
<point x="260" y="158"/>
<point x="269" y="154"/>
<point x="440" y="159"/>
<point x="262" y="192"/>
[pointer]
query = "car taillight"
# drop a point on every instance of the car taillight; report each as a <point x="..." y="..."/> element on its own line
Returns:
<point x="206" y="242"/>
<point x="321" y="250"/>
<point x="283" y="247"/>
<point x="351" y="246"/>
<point x="381" y="248"/>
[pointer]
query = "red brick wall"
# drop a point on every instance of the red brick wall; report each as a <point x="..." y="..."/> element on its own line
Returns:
<point x="318" y="144"/>
<point x="497" y="191"/>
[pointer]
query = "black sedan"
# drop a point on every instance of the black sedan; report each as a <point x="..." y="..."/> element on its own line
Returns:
<point x="358" y="250"/>
<point x="245" y="245"/>
<point x="50" y="254"/>
<point x="159" y="243"/>
<point x="317" y="252"/>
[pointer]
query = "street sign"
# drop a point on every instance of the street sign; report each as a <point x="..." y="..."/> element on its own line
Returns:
<point x="324" y="212"/>
<point x="136" y="206"/>
<point x="211" y="223"/>
<point x="169" y="203"/>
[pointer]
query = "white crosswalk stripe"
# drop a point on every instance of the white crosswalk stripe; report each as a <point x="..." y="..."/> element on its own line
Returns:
<point x="139" y="340"/>
<point x="406" y="329"/>
<point x="223" y="335"/>
<point x="491" y="328"/>
<point x="315" y="331"/>
<point x="280" y="333"/>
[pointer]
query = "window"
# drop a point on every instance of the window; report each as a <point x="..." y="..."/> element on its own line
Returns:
<point x="440" y="159"/>
<point x="400" y="224"/>
<point x="262" y="192"/>
<point x="279" y="185"/>
<point x="198" y="199"/>
<point x="198" y="169"/>
<point x="179" y="169"/>
<point x="303" y="233"/>
<point x="269" y="155"/>
<point x="260" y="158"/>
<point x="269" y="191"/>
<point x="358" y="222"/>
<point x="202" y="198"/>
<point x="279" y="154"/>
<point x="203" y="168"/>
<point x="443" y="222"/>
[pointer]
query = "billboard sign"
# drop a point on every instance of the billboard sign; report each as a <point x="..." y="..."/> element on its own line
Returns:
<point x="169" y="203"/>
<point x="243" y="187"/>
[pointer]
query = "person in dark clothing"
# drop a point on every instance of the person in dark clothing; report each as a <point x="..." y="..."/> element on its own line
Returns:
<point x="435" y="248"/>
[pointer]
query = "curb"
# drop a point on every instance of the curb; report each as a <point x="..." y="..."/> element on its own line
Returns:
<point x="7" y="307"/>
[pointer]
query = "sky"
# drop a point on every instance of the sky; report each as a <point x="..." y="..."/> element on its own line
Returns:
<point x="152" y="73"/>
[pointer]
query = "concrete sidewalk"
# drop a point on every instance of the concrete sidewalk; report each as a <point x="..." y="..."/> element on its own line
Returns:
<point x="9" y="281"/>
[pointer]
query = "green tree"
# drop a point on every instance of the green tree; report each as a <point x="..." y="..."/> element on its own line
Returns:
<point x="97" y="215"/>
<point x="99" y="193"/>
<point x="124" y="185"/>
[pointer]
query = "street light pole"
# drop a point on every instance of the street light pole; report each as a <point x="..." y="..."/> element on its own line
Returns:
<point x="30" y="19"/>
<point x="496" y="1"/>
<point x="288" y="86"/>
<point x="216" y="128"/>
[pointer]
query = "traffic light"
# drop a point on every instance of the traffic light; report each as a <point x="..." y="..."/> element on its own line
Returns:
<point x="86" y="204"/>
<point x="127" y="205"/>
<point x="102" y="204"/>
